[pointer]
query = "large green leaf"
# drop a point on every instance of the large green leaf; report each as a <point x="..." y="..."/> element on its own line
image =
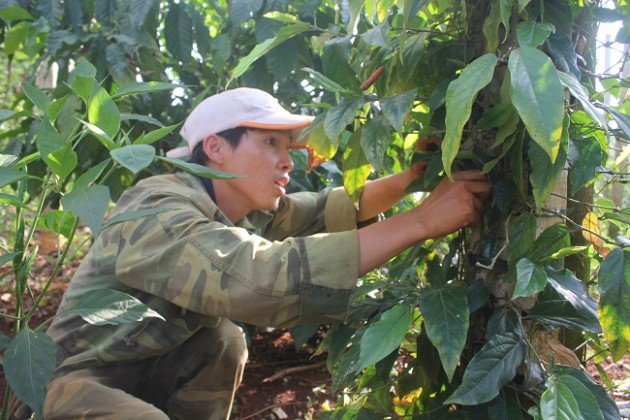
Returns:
<point x="606" y="404"/>
<point x="155" y="135"/>
<point x="138" y="11"/>
<point x="178" y="32"/>
<point x="538" y="97"/>
<point x="37" y="97"/>
<point x="336" y="63"/>
<point x="10" y="175"/>
<point x="264" y="47"/>
<point x="135" y="157"/>
<point x="544" y="174"/>
<point x="490" y="369"/>
<point x="384" y="335"/>
<point x="326" y="83"/>
<point x="143" y="87"/>
<point x="197" y="169"/>
<point x="15" y="13"/>
<point x="375" y="140"/>
<point x="28" y="364"/>
<point x="108" y="306"/>
<point x="320" y="147"/>
<point x="622" y="120"/>
<point x="459" y="99"/>
<point x="562" y="51"/>
<point x="89" y="204"/>
<point x="103" y="113"/>
<point x="587" y="404"/>
<point x="581" y="94"/>
<point x="341" y="115"/>
<point x="356" y="167"/>
<point x="566" y="303"/>
<point x="585" y="156"/>
<point x="533" y="34"/>
<point x="83" y="79"/>
<point x="553" y="239"/>
<point x="396" y="108"/>
<point x="614" y="303"/>
<point x="557" y="402"/>
<point x="521" y="236"/>
<point x="100" y="135"/>
<point x="445" y="312"/>
<point x="531" y="278"/>
<point x="62" y="161"/>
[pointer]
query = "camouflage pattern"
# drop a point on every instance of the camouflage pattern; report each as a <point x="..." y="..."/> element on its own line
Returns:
<point x="296" y="265"/>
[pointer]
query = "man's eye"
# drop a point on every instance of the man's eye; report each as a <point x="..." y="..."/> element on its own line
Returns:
<point x="271" y="141"/>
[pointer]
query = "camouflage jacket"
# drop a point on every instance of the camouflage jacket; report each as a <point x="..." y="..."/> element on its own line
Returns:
<point x="296" y="265"/>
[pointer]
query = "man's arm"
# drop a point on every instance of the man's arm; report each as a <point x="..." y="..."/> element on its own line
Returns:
<point x="451" y="206"/>
<point x="381" y="194"/>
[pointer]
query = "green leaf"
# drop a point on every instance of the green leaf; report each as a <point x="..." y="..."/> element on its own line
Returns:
<point x="103" y="113"/>
<point x="264" y="47"/>
<point x="132" y="215"/>
<point x="100" y="135"/>
<point x="5" y="258"/>
<point x="505" y="8"/>
<point x="562" y="50"/>
<point x="579" y="91"/>
<point x="83" y="79"/>
<point x="135" y="157"/>
<point x="614" y="303"/>
<point x="178" y="32"/>
<point x="15" y="13"/>
<point x="544" y="174"/>
<point x="557" y="402"/>
<point x="569" y="305"/>
<point x="11" y="200"/>
<point x="88" y="177"/>
<point x="445" y="312"/>
<point x="138" y="12"/>
<point x="124" y="116"/>
<point x="335" y="62"/>
<point x="111" y="307"/>
<point x="521" y="237"/>
<point x="623" y="121"/>
<point x="375" y="140"/>
<point x="62" y="161"/>
<point x="323" y="81"/>
<point x="59" y="222"/>
<point x="531" y="278"/>
<point x="538" y="97"/>
<point x="384" y="335"/>
<point x="89" y="204"/>
<point x="491" y="27"/>
<point x="491" y="368"/>
<point x="553" y="239"/>
<point x="587" y="404"/>
<point x="396" y="108"/>
<point x="533" y="34"/>
<point x="195" y="169"/>
<point x="143" y="87"/>
<point x="28" y="364"/>
<point x="460" y="96"/>
<point x="356" y="167"/>
<point x="37" y="97"/>
<point x="585" y="156"/>
<point x="341" y="115"/>
<point x="156" y="135"/>
<point x="606" y="404"/>
<point x="10" y="175"/>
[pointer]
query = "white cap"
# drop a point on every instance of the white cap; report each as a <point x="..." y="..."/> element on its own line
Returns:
<point x="240" y="107"/>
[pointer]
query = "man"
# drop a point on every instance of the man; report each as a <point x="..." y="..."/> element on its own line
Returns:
<point x="229" y="250"/>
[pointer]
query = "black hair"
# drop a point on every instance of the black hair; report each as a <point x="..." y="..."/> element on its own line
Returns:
<point x="233" y="137"/>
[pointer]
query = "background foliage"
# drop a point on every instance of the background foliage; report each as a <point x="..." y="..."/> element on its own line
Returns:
<point x="494" y="321"/>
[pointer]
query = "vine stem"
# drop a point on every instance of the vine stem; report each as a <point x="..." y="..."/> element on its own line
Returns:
<point x="567" y="219"/>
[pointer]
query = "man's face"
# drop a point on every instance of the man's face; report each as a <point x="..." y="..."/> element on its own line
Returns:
<point x="263" y="162"/>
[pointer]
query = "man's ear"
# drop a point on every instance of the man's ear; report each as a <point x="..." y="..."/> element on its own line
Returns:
<point x="213" y="147"/>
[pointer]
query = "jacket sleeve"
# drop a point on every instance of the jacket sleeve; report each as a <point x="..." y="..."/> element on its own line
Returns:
<point x="211" y="268"/>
